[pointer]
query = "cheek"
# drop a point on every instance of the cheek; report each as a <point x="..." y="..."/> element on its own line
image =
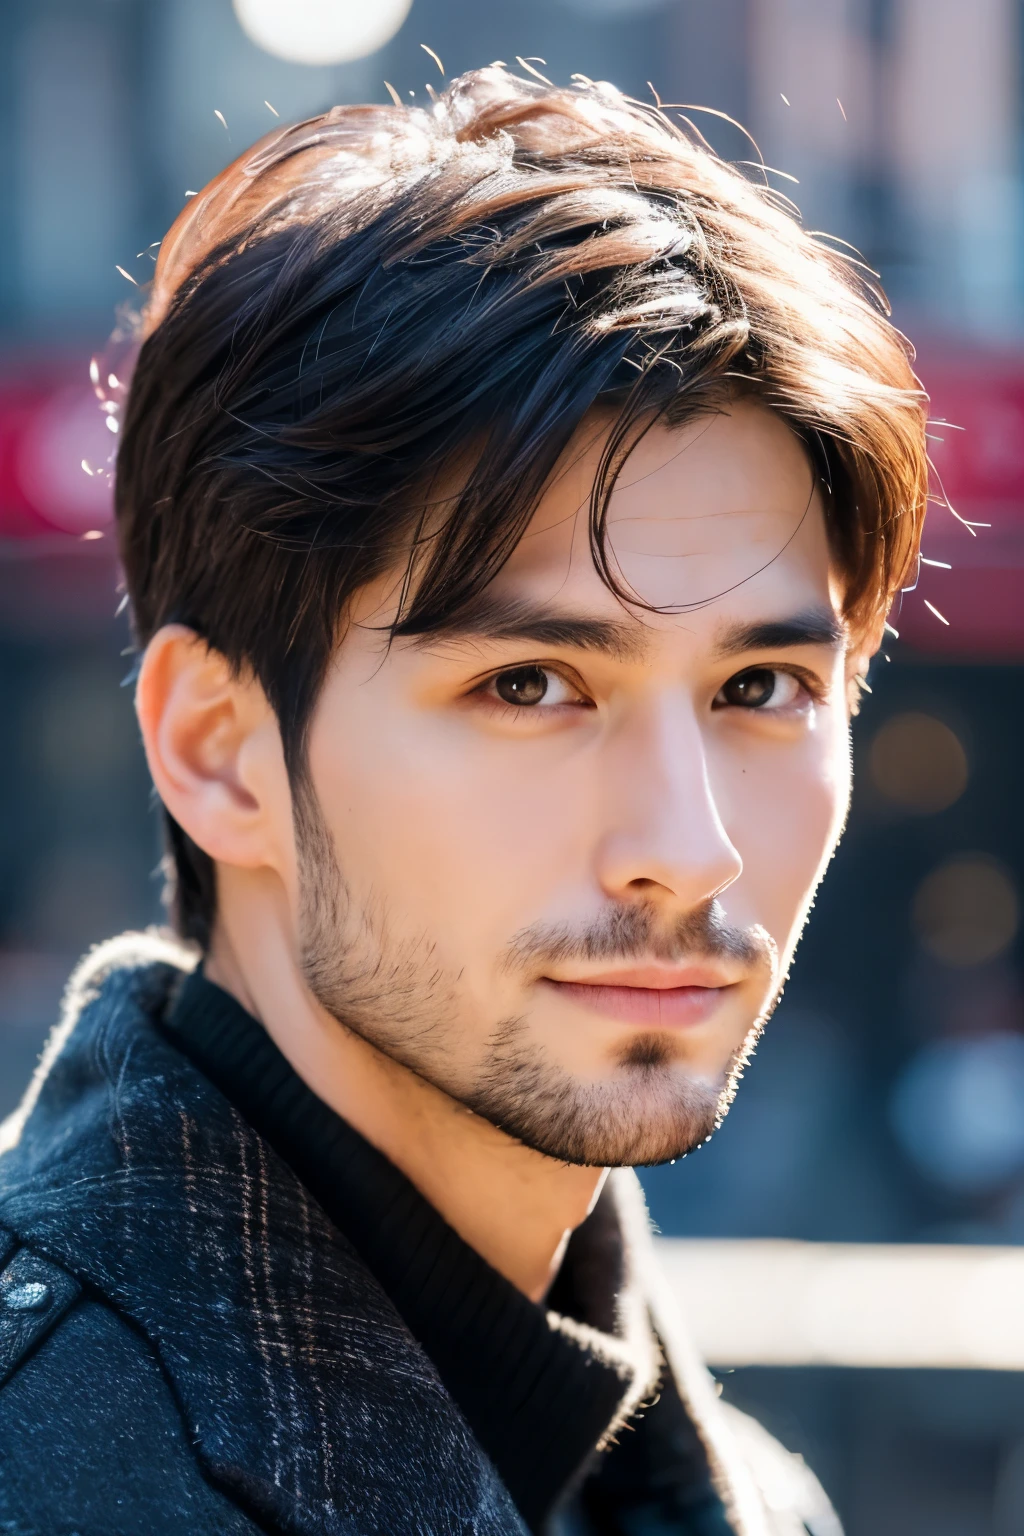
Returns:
<point x="456" y="835"/>
<point x="786" y="813"/>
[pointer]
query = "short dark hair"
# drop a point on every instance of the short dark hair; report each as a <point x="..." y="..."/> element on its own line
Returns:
<point x="368" y="298"/>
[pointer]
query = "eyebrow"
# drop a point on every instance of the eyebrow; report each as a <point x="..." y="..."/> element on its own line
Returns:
<point x="812" y="626"/>
<point x="518" y="619"/>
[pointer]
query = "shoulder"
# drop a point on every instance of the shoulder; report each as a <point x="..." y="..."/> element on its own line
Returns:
<point x="91" y="1438"/>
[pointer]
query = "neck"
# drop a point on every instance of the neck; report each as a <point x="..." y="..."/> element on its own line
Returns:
<point x="516" y="1207"/>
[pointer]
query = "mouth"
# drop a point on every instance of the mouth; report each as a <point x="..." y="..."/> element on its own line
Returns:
<point x="651" y="996"/>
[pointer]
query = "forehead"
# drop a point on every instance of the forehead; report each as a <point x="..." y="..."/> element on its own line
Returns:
<point x="716" y="520"/>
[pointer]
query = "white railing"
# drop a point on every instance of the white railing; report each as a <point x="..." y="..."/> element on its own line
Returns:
<point x="769" y="1302"/>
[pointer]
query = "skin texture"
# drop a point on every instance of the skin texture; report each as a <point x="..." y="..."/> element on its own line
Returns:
<point x="516" y="942"/>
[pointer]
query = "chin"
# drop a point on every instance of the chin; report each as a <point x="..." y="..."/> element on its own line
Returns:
<point x="649" y="1110"/>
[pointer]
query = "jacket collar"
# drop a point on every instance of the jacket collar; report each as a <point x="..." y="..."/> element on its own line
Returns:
<point x="294" y="1371"/>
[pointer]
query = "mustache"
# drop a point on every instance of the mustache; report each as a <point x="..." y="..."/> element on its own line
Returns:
<point x="639" y="932"/>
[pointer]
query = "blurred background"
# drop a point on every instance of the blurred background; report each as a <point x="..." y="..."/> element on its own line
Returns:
<point x="886" y="1105"/>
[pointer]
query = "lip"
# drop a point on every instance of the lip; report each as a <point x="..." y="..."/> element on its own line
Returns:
<point x="652" y="1007"/>
<point x="654" y="978"/>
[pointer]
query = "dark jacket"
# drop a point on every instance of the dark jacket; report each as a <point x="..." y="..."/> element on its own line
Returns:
<point x="187" y="1344"/>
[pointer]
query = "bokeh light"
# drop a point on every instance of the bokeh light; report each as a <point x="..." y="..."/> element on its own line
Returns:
<point x="919" y="763"/>
<point x="321" y="31"/>
<point x="966" y="911"/>
<point x="958" y="1110"/>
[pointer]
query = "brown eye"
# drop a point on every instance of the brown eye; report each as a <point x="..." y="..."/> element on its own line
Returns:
<point x="750" y="690"/>
<point x="521" y="685"/>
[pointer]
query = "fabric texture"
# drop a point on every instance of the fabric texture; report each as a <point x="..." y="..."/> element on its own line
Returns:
<point x="92" y="1443"/>
<point x="232" y="1352"/>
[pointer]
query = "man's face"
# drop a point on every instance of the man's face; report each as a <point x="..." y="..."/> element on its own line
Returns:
<point x="556" y="861"/>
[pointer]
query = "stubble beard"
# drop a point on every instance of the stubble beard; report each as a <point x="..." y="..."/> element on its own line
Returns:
<point x="394" y="994"/>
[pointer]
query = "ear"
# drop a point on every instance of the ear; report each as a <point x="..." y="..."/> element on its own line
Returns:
<point x="214" y="750"/>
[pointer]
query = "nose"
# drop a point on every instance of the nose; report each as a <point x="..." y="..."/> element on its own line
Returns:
<point x="664" y="841"/>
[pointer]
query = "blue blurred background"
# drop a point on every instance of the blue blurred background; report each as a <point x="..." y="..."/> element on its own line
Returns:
<point x="887" y="1102"/>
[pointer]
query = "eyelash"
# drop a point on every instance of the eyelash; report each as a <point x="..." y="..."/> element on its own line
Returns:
<point x="487" y="687"/>
<point x="811" y="686"/>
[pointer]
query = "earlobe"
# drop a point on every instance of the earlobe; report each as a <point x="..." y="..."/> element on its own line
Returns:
<point x="213" y="748"/>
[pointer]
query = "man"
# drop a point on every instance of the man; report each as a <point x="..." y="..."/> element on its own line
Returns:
<point x="510" y="497"/>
